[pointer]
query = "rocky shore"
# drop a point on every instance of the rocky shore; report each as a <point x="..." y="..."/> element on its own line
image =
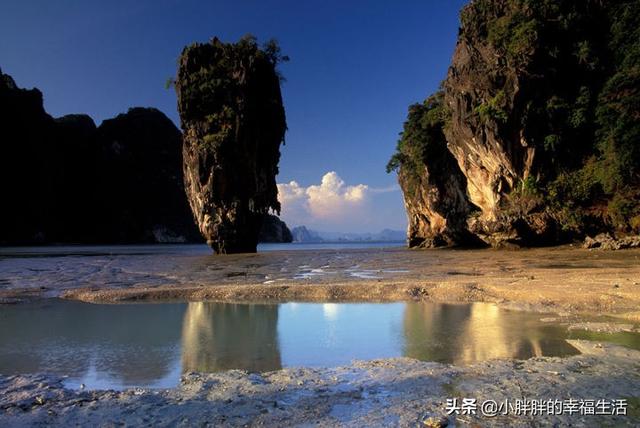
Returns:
<point x="392" y="392"/>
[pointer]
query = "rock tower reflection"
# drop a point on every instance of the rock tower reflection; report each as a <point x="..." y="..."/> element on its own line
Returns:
<point x="222" y="336"/>
<point x="463" y="334"/>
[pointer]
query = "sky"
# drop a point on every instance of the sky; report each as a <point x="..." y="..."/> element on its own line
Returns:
<point x="355" y="68"/>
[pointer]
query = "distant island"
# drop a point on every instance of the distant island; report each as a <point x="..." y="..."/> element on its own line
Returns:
<point x="303" y="235"/>
<point x="274" y="230"/>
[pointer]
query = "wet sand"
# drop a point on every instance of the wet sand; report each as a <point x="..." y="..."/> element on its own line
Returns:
<point x="560" y="279"/>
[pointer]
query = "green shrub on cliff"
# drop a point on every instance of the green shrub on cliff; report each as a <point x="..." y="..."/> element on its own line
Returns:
<point x="421" y="138"/>
<point x="493" y="109"/>
<point x="210" y="94"/>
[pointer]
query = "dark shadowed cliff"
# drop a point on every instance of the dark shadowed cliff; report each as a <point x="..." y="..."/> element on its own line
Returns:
<point x="534" y="137"/>
<point x="233" y="122"/>
<point x="141" y="174"/>
<point x="274" y="230"/>
<point x="302" y="234"/>
<point x="65" y="181"/>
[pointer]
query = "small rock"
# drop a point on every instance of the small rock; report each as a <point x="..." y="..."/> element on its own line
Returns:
<point x="607" y="242"/>
<point x="436" y="422"/>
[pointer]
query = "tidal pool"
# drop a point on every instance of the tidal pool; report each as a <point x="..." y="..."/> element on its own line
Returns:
<point x="151" y="345"/>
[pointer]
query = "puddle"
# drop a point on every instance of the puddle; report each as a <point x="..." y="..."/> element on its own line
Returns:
<point x="151" y="345"/>
<point x="308" y="273"/>
<point x="624" y="338"/>
<point x="365" y="274"/>
<point x="357" y="272"/>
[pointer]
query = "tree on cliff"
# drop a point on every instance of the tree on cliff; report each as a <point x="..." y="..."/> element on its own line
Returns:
<point x="233" y="123"/>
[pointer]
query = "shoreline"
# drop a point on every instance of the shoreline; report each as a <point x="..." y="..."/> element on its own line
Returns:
<point x="395" y="391"/>
<point x="557" y="279"/>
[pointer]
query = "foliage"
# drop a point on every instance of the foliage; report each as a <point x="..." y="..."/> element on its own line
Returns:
<point x="621" y="209"/>
<point x="525" y="198"/>
<point x="421" y="138"/>
<point x="216" y="75"/>
<point x="614" y="168"/>
<point x="581" y="65"/>
<point x="493" y="110"/>
<point x="515" y="34"/>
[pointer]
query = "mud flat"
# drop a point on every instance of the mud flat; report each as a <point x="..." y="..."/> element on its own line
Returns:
<point x="560" y="279"/>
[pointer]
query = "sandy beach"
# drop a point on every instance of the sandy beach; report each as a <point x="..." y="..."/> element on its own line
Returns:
<point x="558" y="279"/>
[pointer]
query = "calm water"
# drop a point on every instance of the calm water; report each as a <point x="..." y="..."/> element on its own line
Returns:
<point x="182" y="249"/>
<point x="329" y="246"/>
<point x="151" y="345"/>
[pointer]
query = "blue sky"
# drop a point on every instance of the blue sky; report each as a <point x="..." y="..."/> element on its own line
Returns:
<point x="355" y="68"/>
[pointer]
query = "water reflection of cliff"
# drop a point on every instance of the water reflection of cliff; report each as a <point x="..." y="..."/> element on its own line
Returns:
<point x="131" y="344"/>
<point x="462" y="334"/>
<point x="222" y="336"/>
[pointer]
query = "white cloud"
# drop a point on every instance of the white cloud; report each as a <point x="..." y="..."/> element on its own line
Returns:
<point x="330" y="205"/>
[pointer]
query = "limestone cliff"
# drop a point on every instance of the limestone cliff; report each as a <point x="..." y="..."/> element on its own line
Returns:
<point x="274" y="230"/>
<point x="532" y="139"/>
<point x="65" y="180"/>
<point x="24" y="189"/>
<point x="141" y="178"/>
<point x="433" y="185"/>
<point x="233" y="123"/>
<point x="302" y="234"/>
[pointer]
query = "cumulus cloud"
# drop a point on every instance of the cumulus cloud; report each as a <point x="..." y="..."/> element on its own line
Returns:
<point x="330" y="204"/>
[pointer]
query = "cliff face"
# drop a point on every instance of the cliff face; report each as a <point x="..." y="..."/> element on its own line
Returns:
<point x="24" y="126"/>
<point x="274" y="230"/>
<point x="233" y="122"/>
<point x="302" y="234"/>
<point x="141" y="176"/>
<point x="65" y="181"/>
<point x="526" y="116"/>
<point x="433" y="185"/>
